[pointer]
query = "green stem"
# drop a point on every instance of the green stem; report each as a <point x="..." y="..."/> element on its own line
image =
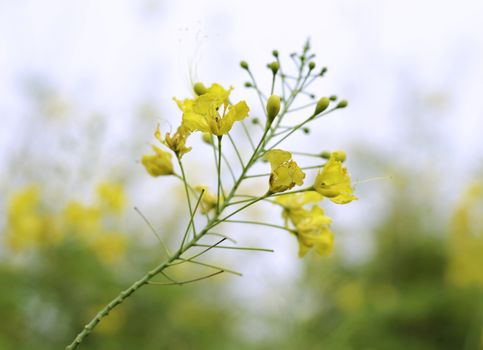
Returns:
<point x="218" y="177"/>
<point x="185" y="183"/>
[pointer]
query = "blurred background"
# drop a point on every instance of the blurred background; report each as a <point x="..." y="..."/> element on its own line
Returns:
<point x="83" y="85"/>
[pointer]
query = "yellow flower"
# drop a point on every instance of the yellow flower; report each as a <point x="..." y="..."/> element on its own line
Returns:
<point x="312" y="229"/>
<point x="334" y="183"/>
<point x="293" y="204"/>
<point x="177" y="142"/>
<point x="159" y="163"/>
<point x="311" y="226"/>
<point x="208" y="201"/>
<point x="203" y="112"/>
<point x="285" y="172"/>
<point x="111" y="196"/>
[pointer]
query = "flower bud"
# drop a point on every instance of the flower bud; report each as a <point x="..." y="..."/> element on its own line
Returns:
<point x="339" y="155"/>
<point x="333" y="98"/>
<point x="199" y="88"/>
<point x="248" y="84"/>
<point x="311" y="65"/>
<point x="321" y="105"/>
<point x="207" y="138"/>
<point x="275" y="53"/>
<point x="255" y="121"/>
<point x="342" y="104"/>
<point x="244" y="65"/>
<point x="273" y="107"/>
<point x="274" y="67"/>
<point x="325" y="154"/>
<point x="306" y="130"/>
<point x="323" y="71"/>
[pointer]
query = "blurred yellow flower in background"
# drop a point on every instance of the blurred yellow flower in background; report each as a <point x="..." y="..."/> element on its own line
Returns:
<point x="334" y="182"/>
<point x="285" y="172"/>
<point x="111" y="196"/>
<point x="109" y="247"/>
<point x="28" y="223"/>
<point x="32" y="224"/>
<point x="81" y="219"/>
<point x="466" y="239"/>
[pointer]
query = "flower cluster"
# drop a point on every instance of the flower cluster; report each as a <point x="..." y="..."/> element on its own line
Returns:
<point x="211" y="113"/>
<point x="312" y="227"/>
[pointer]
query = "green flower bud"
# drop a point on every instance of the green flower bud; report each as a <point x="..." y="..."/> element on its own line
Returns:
<point x="323" y="71"/>
<point x="275" y="53"/>
<point x="274" y="66"/>
<point x="311" y="65"/>
<point x="325" y="154"/>
<point x="342" y="104"/>
<point x="255" y="121"/>
<point x="207" y="137"/>
<point x="333" y="98"/>
<point x="248" y="84"/>
<point x="339" y="155"/>
<point x="306" y="130"/>
<point x="321" y="105"/>
<point x="199" y="88"/>
<point x="273" y="107"/>
<point x="244" y="65"/>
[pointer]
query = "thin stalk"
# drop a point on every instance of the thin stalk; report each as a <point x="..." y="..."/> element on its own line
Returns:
<point x="237" y="248"/>
<point x="298" y="126"/>
<point x="185" y="183"/>
<point x="247" y="133"/>
<point x="165" y="247"/>
<point x="187" y="281"/>
<point x="259" y="223"/>
<point x="236" y="151"/>
<point x="218" y="177"/>
<point x="211" y="266"/>
<point x="191" y="221"/>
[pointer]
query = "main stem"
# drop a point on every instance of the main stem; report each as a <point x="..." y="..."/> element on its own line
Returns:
<point x="88" y="328"/>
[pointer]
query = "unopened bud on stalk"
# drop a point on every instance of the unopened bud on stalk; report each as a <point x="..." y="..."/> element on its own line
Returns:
<point x="306" y="130"/>
<point x="321" y="105"/>
<point x="207" y="137"/>
<point x="342" y="104"/>
<point x="244" y="65"/>
<point x="333" y="98"/>
<point x="311" y="65"/>
<point x="248" y="84"/>
<point x="255" y="121"/>
<point x="339" y="155"/>
<point x="273" y="107"/>
<point x="323" y="71"/>
<point x="274" y="67"/>
<point x="199" y="88"/>
<point x="275" y="53"/>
